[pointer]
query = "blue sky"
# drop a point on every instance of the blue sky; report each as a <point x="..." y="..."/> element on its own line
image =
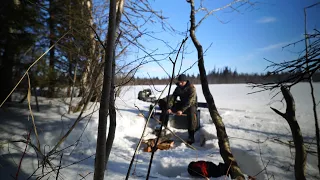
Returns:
<point x="242" y="43"/>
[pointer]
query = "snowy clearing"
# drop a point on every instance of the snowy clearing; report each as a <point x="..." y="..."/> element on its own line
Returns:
<point x="248" y="120"/>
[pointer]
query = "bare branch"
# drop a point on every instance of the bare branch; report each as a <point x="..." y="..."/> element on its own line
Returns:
<point x="221" y="8"/>
<point x="149" y="56"/>
<point x="33" y="65"/>
<point x="170" y="85"/>
<point x="59" y="166"/>
<point x="278" y="112"/>
<point x="24" y="152"/>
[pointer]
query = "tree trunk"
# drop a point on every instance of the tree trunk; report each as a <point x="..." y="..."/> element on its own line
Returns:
<point x="112" y="110"/>
<point x="72" y="87"/>
<point x="315" y="115"/>
<point x="6" y="73"/>
<point x="300" y="154"/>
<point x="92" y="66"/>
<point x="224" y="145"/>
<point x="70" y="82"/>
<point x="112" y="117"/>
<point x="105" y="97"/>
<point x="52" y="51"/>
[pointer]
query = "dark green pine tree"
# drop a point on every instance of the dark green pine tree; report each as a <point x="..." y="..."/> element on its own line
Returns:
<point x="19" y="22"/>
<point x="62" y="16"/>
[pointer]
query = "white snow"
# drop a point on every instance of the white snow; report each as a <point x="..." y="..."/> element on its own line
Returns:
<point x="248" y="120"/>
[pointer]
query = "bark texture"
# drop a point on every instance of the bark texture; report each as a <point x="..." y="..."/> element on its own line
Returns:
<point x="300" y="151"/>
<point x="223" y="140"/>
<point x="105" y="97"/>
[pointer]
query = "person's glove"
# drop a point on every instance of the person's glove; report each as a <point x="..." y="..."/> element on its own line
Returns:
<point x="179" y="113"/>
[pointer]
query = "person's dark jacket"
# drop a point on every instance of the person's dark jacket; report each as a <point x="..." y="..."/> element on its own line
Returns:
<point x="187" y="94"/>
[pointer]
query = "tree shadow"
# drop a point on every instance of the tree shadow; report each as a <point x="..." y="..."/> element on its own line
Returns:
<point x="152" y="122"/>
<point x="8" y="169"/>
<point x="289" y="136"/>
<point x="15" y="125"/>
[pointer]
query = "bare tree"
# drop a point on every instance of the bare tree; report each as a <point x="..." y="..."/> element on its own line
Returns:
<point x="298" y="70"/>
<point x="310" y="80"/>
<point x="95" y="72"/>
<point x="289" y="115"/>
<point x="100" y="162"/>
<point x="223" y="140"/>
<point x="112" y="109"/>
<point x="91" y="74"/>
<point x="154" y="148"/>
<point x="94" y="51"/>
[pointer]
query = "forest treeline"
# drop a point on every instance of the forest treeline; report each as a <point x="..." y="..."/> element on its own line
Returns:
<point x="226" y="76"/>
<point x="60" y="44"/>
<point x="63" y="40"/>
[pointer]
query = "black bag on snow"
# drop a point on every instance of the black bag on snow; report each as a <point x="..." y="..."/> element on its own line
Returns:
<point x="207" y="169"/>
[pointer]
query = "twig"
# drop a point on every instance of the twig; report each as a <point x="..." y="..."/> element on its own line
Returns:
<point x="311" y="86"/>
<point x="153" y="84"/>
<point x="24" y="152"/>
<point x="33" y="65"/>
<point x="32" y="117"/>
<point x="63" y="167"/>
<point x="258" y="142"/>
<point x="265" y="168"/>
<point x="59" y="166"/>
<point x="216" y="10"/>
<point x="262" y="163"/>
<point x="228" y="170"/>
<point x="200" y="174"/>
<point x="84" y="177"/>
<point x="172" y="76"/>
<point x="197" y="59"/>
<point x="140" y="140"/>
<point x="182" y="57"/>
<point x="84" y="129"/>
<point x="135" y="165"/>
<point x="173" y="133"/>
<point x="291" y="145"/>
<point x="79" y="118"/>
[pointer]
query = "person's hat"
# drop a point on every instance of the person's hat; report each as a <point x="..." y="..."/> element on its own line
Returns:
<point x="182" y="77"/>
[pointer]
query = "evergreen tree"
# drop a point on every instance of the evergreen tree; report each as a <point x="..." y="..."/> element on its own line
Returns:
<point x="19" y="23"/>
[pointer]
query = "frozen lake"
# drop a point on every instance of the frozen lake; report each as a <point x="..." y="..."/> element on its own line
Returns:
<point x="248" y="120"/>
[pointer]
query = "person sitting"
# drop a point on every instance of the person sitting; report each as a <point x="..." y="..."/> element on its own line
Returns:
<point x="187" y="105"/>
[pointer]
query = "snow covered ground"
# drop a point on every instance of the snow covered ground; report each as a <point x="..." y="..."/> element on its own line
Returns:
<point x="248" y="120"/>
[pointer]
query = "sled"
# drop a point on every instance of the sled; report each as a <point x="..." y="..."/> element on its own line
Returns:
<point x="146" y="95"/>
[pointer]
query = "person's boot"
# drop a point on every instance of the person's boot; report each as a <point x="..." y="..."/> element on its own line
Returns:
<point x="164" y="117"/>
<point x="166" y="120"/>
<point x="191" y="137"/>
